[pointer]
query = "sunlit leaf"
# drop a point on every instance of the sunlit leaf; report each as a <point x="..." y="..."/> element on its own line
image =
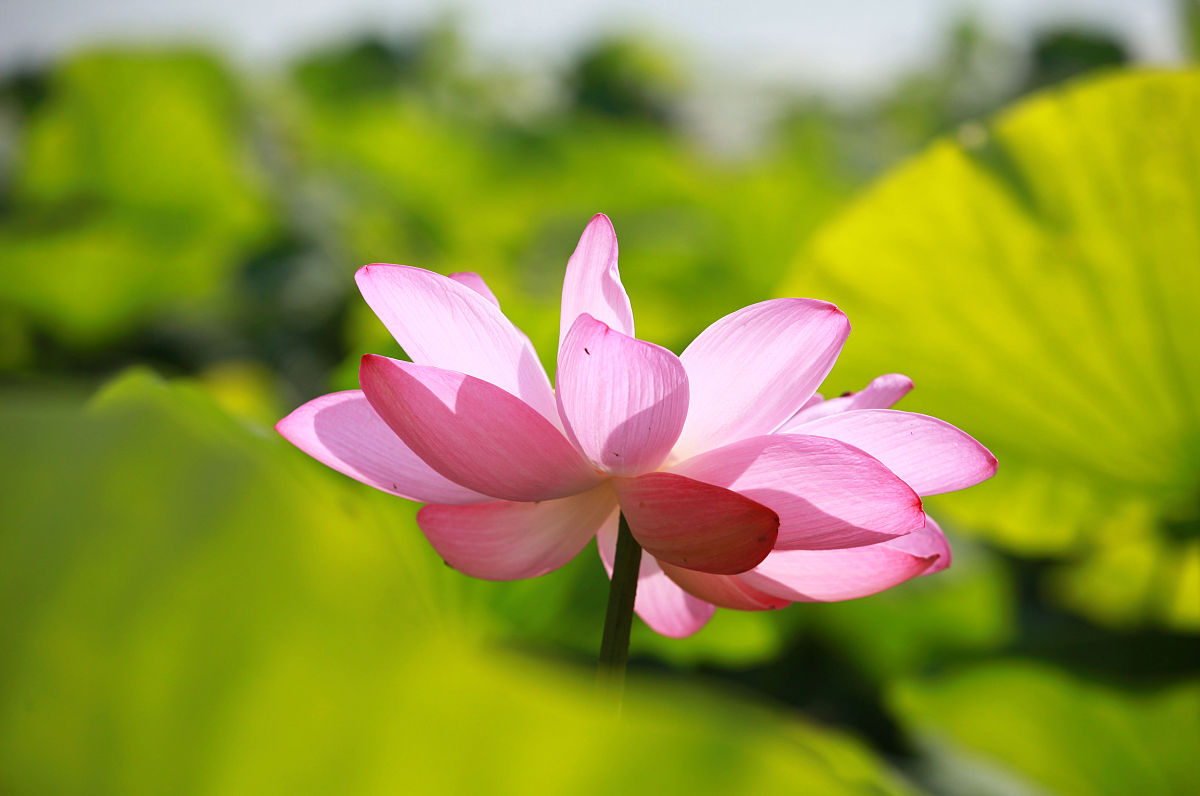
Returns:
<point x="1039" y="283"/>
<point x="192" y="606"/>
<point x="1032" y="724"/>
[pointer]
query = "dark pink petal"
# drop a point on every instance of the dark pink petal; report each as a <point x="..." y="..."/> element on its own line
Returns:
<point x="831" y="575"/>
<point x="508" y="541"/>
<point x="696" y="525"/>
<point x="881" y="393"/>
<point x="440" y="322"/>
<point x="931" y="455"/>
<point x="474" y="433"/>
<point x="593" y="282"/>
<point x="724" y="591"/>
<point x="476" y="283"/>
<point x="751" y="370"/>
<point x="827" y="494"/>
<point x="666" y="608"/>
<point x="622" y="401"/>
<point x="342" y="431"/>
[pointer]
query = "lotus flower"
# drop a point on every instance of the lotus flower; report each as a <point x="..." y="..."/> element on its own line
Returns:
<point x="746" y="490"/>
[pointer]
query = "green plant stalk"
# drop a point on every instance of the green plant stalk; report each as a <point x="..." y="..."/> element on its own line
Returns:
<point x="614" y="646"/>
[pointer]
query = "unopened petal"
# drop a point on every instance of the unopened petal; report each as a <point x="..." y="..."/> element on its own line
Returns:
<point x="696" y="525"/>
<point x="750" y="371"/>
<point x="474" y="433"/>
<point x="827" y="494"/>
<point x="342" y="431"/>
<point x="931" y="455"/>
<point x="507" y="541"/>
<point x="622" y="401"/>
<point x="441" y="322"/>
<point x="593" y="282"/>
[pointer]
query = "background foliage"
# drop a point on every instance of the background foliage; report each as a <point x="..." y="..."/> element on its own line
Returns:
<point x="190" y="605"/>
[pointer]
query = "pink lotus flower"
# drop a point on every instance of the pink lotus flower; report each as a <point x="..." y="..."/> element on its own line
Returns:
<point x="746" y="490"/>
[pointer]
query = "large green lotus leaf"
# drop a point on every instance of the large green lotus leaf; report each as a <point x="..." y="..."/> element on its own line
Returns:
<point x="1038" y="280"/>
<point x="191" y="606"/>
<point x="1022" y="724"/>
<point x="132" y="193"/>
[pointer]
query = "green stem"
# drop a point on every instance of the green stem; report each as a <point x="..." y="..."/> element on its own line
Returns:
<point x="614" y="647"/>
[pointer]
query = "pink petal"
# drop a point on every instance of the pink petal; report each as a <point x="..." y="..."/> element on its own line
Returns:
<point x="931" y="455"/>
<point x="593" y="282"/>
<point x="476" y="283"/>
<point x="831" y="575"/>
<point x="926" y="543"/>
<point x="751" y="370"/>
<point x="508" y="541"/>
<point x="342" y="431"/>
<point x="724" y="591"/>
<point x="440" y="322"/>
<point x="622" y="401"/>
<point x="474" y="433"/>
<point x="661" y="604"/>
<point x="881" y="393"/>
<point x="827" y="494"/>
<point x="696" y="525"/>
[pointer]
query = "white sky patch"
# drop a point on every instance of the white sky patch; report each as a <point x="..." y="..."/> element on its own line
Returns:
<point x="853" y="46"/>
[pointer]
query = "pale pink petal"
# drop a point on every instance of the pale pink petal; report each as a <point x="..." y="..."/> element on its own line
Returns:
<point x="751" y="370"/>
<point x="831" y="575"/>
<point x="696" y="525"/>
<point x="724" y="591"/>
<point x="930" y="455"/>
<point x="342" y="431"/>
<point x="661" y="604"/>
<point x="827" y="494"/>
<point x="440" y="322"/>
<point x="926" y="543"/>
<point x="508" y="541"/>
<point x="881" y="393"/>
<point x="593" y="282"/>
<point x="474" y="433"/>
<point x="476" y="283"/>
<point x="622" y="401"/>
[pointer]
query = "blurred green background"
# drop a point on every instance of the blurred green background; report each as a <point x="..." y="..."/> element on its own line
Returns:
<point x="189" y="605"/>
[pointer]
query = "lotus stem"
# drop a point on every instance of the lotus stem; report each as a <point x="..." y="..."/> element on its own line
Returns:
<point x="614" y="646"/>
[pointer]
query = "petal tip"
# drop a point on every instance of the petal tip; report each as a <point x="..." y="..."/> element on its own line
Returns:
<point x="918" y="509"/>
<point x="291" y="425"/>
<point x="602" y="218"/>
<point x="836" y="311"/>
<point x="371" y="366"/>
<point x="369" y="270"/>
